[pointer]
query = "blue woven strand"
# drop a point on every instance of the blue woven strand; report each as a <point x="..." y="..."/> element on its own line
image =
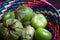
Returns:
<point x="0" y="12"/>
<point x="13" y="5"/>
<point x="10" y="9"/>
<point x="5" y="4"/>
<point x="23" y="0"/>
<point x="2" y="8"/>
<point x="7" y="0"/>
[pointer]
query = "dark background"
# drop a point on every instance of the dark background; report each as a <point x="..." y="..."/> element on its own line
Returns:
<point x="56" y="3"/>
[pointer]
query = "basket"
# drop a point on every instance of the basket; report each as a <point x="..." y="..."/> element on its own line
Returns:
<point x="53" y="17"/>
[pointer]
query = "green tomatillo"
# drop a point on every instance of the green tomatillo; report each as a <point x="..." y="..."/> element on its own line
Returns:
<point x="43" y="34"/>
<point x="39" y="21"/>
<point x="8" y="15"/>
<point x="24" y="14"/>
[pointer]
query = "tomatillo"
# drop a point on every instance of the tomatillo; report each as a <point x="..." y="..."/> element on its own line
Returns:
<point x="28" y="32"/>
<point x="11" y="32"/>
<point x="8" y="15"/>
<point x="24" y="14"/>
<point x="43" y="34"/>
<point x="39" y="21"/>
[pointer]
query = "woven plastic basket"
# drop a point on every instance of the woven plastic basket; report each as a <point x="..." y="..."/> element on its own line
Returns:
<point x="52" y="17"/>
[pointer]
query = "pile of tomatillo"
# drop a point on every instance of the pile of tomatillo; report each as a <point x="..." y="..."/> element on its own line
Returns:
<point x="24" y="24"/>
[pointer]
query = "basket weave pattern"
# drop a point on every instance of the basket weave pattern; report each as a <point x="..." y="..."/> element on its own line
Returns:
<point x="52" y="26"/>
